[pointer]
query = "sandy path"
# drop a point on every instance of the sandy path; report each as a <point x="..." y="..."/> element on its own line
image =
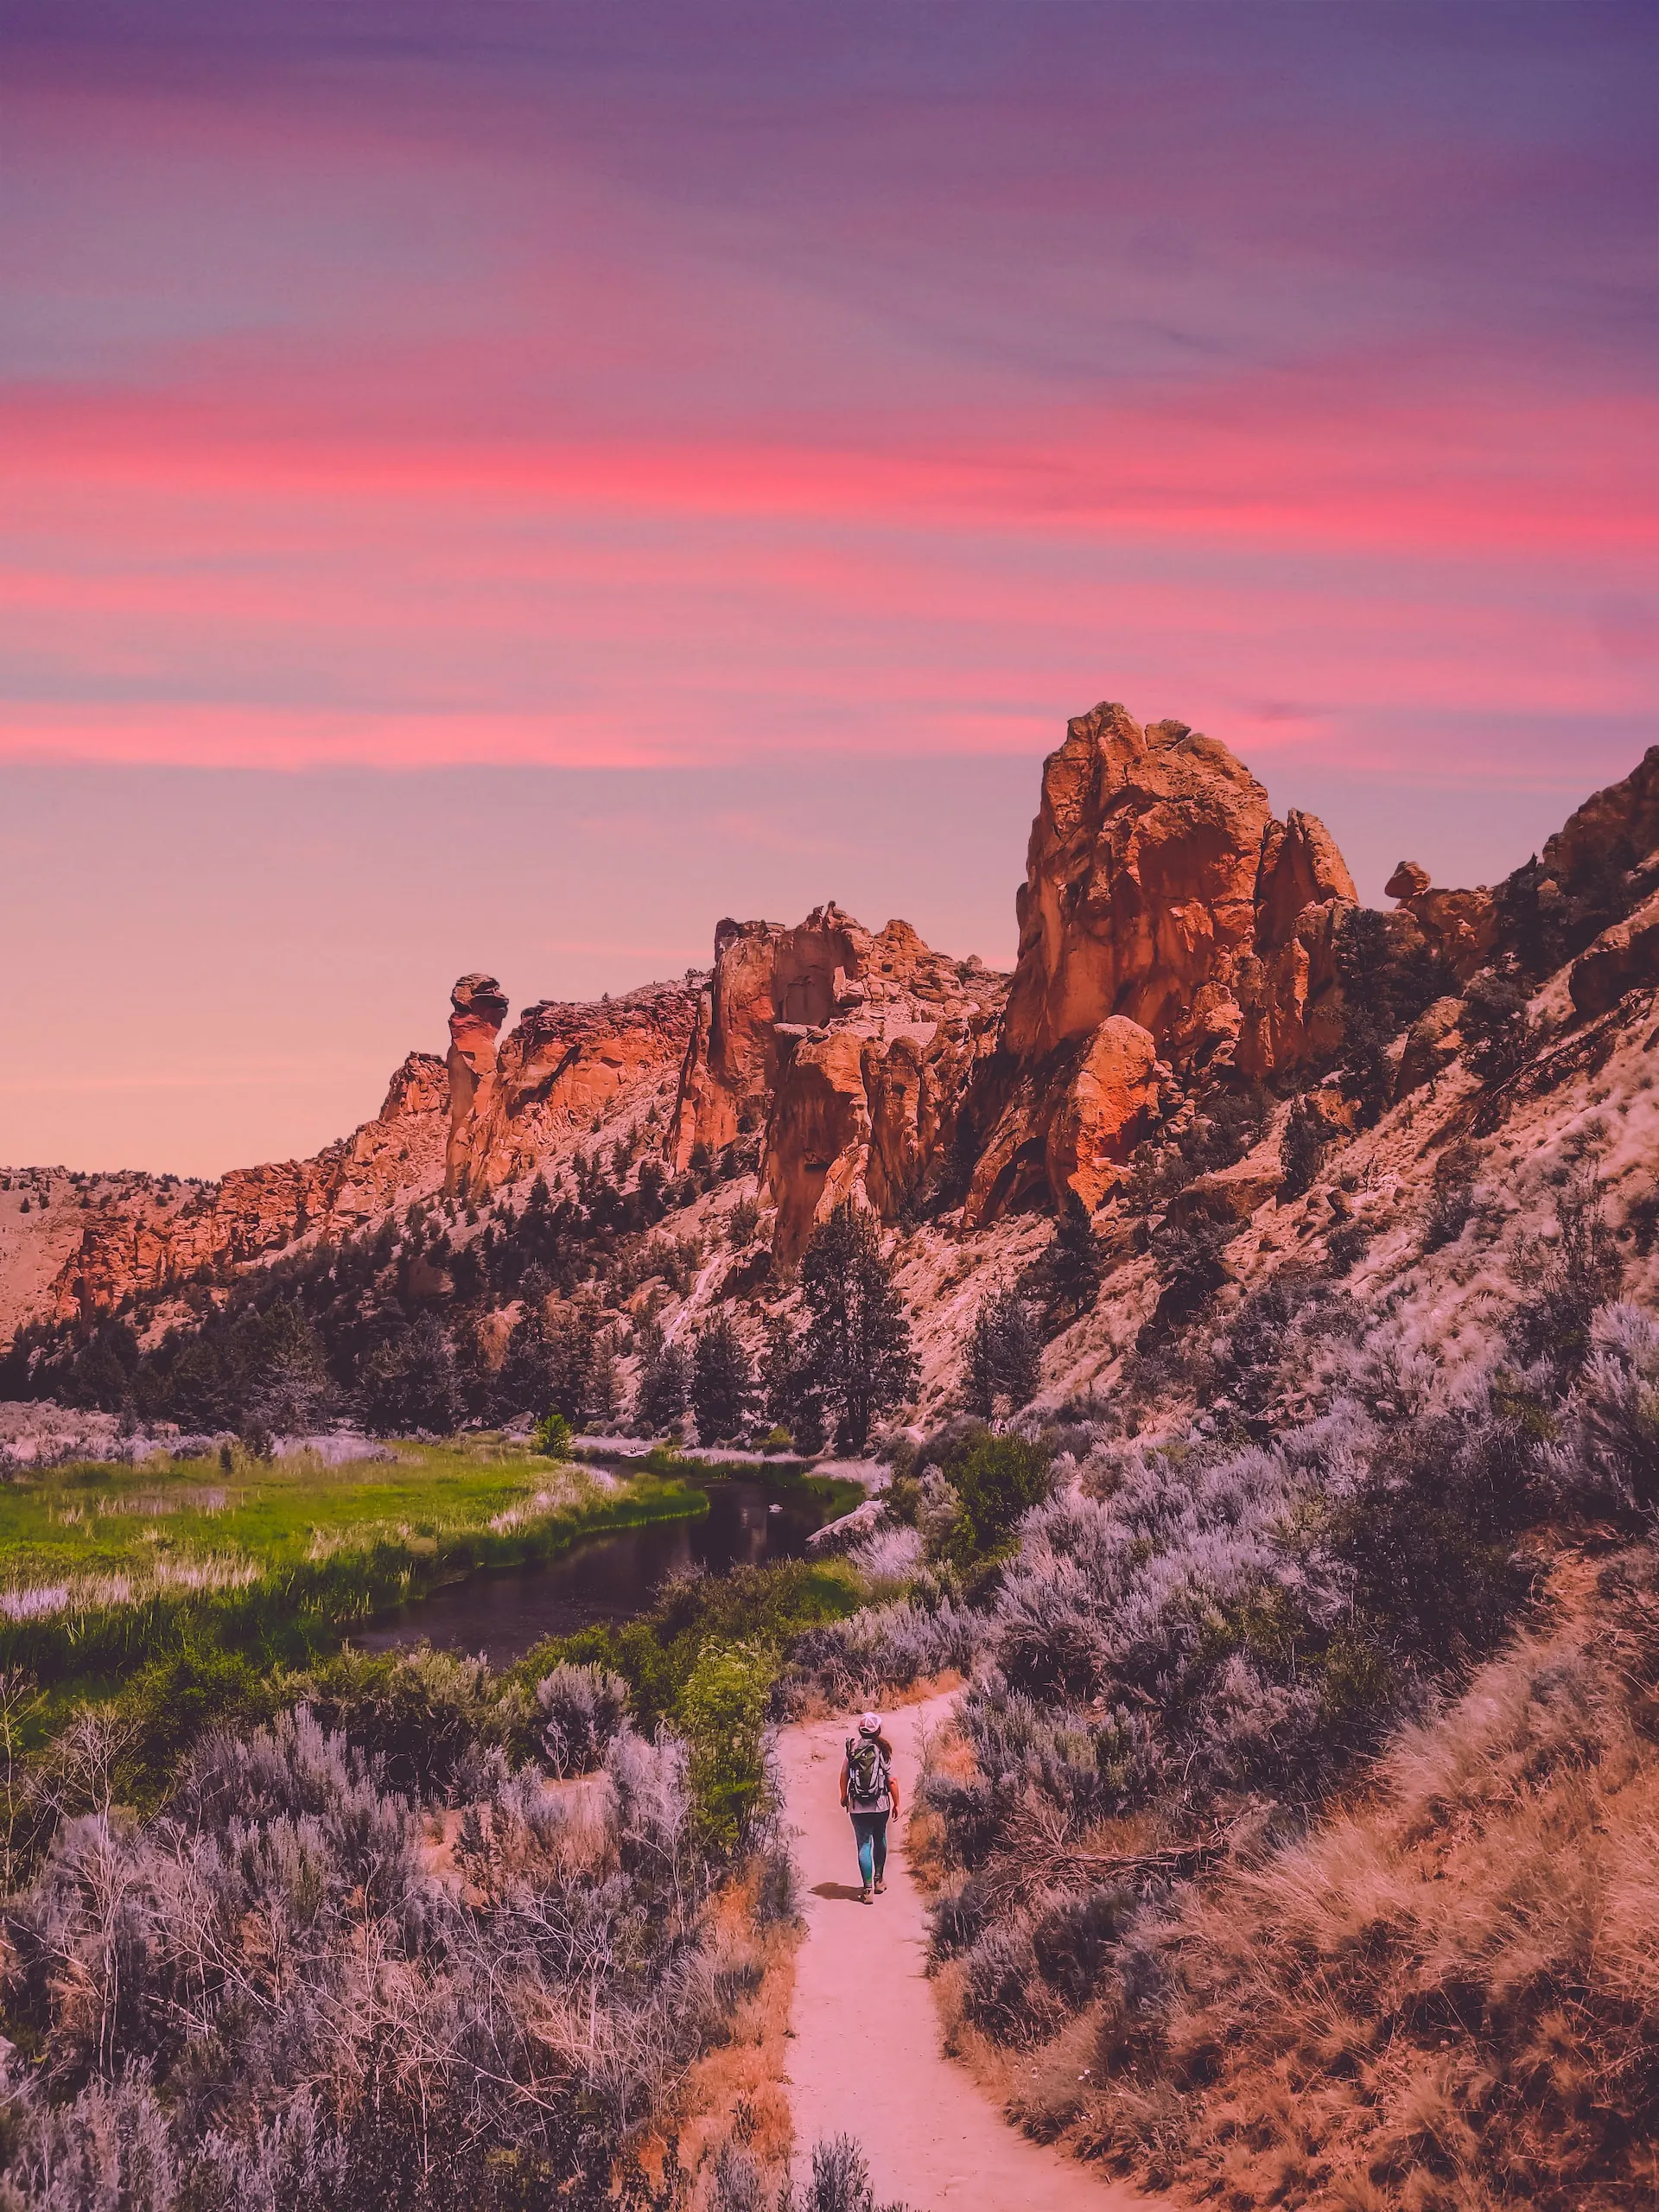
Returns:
<point x="870" y="2064"/>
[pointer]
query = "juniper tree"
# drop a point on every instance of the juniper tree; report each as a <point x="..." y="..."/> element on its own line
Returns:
<point x="858" y="1344"/>
<point x="1070" y="1273"/>
<point x="1496" y="1032"/>
<point x="663" y="1390"/>
<point x="722" y="1382"/>
<point x="1004" y="1356"/>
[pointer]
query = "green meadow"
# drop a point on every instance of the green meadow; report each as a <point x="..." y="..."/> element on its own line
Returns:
<point x="100" y="1565"/>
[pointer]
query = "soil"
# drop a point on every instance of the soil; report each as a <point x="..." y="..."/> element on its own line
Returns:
<point x="864" y="2046"/>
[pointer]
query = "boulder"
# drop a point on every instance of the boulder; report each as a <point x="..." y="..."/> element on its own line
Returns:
<point x="1461" y="925"/>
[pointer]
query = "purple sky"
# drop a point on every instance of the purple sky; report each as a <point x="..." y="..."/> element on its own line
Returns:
<point x="504" y="486"/>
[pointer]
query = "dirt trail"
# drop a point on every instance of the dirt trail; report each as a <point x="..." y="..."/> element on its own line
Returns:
<point x="864" y="2056"/>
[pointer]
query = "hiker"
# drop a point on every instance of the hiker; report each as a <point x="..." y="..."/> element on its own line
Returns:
<point x="869" y="1793"/>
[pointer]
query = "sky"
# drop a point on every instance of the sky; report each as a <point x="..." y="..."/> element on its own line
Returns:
<point x="502" y="486"/>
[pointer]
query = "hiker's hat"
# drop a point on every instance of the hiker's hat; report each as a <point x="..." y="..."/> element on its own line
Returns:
<point x="870" y="1725"/>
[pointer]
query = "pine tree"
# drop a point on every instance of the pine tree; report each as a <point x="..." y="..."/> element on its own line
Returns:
<point x="858" y="1344"/>
<point x="1072" y="1269"/>
<point x="793" y="1399"/>
<point x="1004" y="1356"/>
<point x="411" y="1383"/>
<point x="722" y="1382"/>
<point x="1300" y="1149"/>
<point x="663" y="1390"/>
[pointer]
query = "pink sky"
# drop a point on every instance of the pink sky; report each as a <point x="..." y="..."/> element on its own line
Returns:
<point x="805" y="411"/>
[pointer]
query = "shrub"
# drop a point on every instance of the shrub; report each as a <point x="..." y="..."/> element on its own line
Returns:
<point x="1566" y="1282"/>
<point x="997" y="1479"/>
<point x="582" y="1709"/>
<point x="553" y="1436"/>
<point x="723" y="1711"/>
<point x="1607" y="1457"/>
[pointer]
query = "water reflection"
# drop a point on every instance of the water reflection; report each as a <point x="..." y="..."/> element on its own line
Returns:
<point x="606" y="1579"/>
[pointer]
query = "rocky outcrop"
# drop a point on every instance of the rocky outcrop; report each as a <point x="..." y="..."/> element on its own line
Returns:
<point x="1624" y="957"/>
<point x="769" y="984"/>
<point x="1287" y="985"/>
<point x="849" y="1052"/>
<point x="133" y="1243"/>
<point x="1164" y="912"/>
<point x="1614" y="835"/>
<point x="478" y="1009"/>
<point x="1461" y="925"/>
<point x="562" y="1064"/>
<point x="1139" y="885"/>
<point x="489" y="1114"/>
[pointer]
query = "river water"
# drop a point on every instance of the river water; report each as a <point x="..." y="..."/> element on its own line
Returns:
<point x="603" y="1577"/>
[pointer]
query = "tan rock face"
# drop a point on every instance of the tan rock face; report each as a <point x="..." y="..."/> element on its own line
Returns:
<point x="479" y="1008"/>
<point x="1103" y="1113"/>
<point x="1287" y="986"/>
<point x="561" y="1064"/>
<point x="1614" y="831"/>
<point x="1139" y="880"/>
<point x="1624" y="957"/>
<point x="851" y="1052"/>
<point x="131" y="1246"/>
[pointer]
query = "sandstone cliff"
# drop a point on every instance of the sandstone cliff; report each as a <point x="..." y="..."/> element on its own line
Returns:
<point x="487" y="1117"/>
<point x="849" y="1052"/>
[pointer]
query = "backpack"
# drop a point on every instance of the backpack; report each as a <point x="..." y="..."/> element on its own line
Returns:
<point x="867" y="1774"/>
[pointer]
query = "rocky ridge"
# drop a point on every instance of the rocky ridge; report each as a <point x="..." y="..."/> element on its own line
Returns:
<point x="1177" y="939"/>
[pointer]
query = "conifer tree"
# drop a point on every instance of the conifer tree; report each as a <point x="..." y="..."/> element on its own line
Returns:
<point x="1071" y="1267"/>
<point x="663" y="1390"/>
<point x="1004" y="1356"/>
<point x="858" y="1347"/>
<point x="722" y="1382"/>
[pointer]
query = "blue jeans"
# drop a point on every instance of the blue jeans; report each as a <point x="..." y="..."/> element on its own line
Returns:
<point x="871" y="1830"/>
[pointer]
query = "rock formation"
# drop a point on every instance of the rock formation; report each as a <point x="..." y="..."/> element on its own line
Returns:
<point x="479" y="1010"/>
<point x="1287" y="984"/>
<point x="1461" y="925"/>
<point x="562" y="1064"/>
<point x="1624" y="957"/>
<point x="131" y="1245"/>
<point x="1166" y="917"/>
<point x="849" y="1051"/>
<point x="1140" y="883"/>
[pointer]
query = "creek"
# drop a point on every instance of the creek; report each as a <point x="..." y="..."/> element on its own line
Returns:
<point x="604" y="1578"/>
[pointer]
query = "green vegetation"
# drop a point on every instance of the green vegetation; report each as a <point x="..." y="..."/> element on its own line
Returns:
<point x="705" y="1662"/>
<point x="103" y="1567"/>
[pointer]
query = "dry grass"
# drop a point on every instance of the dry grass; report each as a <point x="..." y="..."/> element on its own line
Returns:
<point x="1447" y="1999"/>
<point x="734" y="2092"/>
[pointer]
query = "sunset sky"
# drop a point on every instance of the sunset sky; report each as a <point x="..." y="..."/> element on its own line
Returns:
<point x="502" y="486"/>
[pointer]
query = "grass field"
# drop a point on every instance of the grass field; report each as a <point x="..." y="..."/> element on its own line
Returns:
<point x="98" y="1564"/>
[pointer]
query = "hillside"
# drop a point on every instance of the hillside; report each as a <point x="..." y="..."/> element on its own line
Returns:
<point x="1269" y="1441"/>
<point x="1195" y="979"/>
